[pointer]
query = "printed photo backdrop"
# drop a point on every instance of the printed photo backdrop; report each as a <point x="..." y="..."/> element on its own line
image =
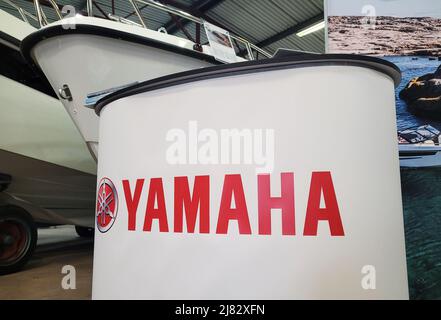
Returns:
<point x="407" y="33"/>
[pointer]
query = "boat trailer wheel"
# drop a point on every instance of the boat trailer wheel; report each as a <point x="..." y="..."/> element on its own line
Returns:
<point x="18" y="237"/>
<point x="14" y="241"/>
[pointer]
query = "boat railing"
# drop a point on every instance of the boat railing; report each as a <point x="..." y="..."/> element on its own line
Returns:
<point x="23" y="13"/>
<point x="253" y="52"/>
<point x="177" y="12"/>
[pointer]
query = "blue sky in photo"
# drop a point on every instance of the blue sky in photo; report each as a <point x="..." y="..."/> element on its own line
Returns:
<point x="395" y="8"/>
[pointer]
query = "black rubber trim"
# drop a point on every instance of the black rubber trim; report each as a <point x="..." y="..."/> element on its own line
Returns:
<point x="8" y="38"/>
<point x="286" y="62"/>
<point x="53" y="31"/>
<point x="417" y="153"/>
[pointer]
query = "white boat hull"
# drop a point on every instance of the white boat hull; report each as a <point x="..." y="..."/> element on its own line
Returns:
<point x="45" y="156"/>
<point x="91" y="62"/>
<point x="52" y="194"/>
<point x="52" y="174"/>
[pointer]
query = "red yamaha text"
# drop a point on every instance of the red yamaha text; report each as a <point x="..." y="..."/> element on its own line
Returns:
<point x="193" y="203"/>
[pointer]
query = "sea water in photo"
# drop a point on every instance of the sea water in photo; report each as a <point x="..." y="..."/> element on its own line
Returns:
<point x="421" y="189"/>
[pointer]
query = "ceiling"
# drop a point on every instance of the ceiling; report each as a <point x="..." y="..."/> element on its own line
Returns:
<point x="270" y="24"/>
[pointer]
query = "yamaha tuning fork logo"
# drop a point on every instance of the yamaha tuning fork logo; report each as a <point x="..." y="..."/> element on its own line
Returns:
<point x="106" y="205"/>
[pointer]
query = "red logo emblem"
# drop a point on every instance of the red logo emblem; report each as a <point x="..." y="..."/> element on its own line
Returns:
<point x="106" y="205"/>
